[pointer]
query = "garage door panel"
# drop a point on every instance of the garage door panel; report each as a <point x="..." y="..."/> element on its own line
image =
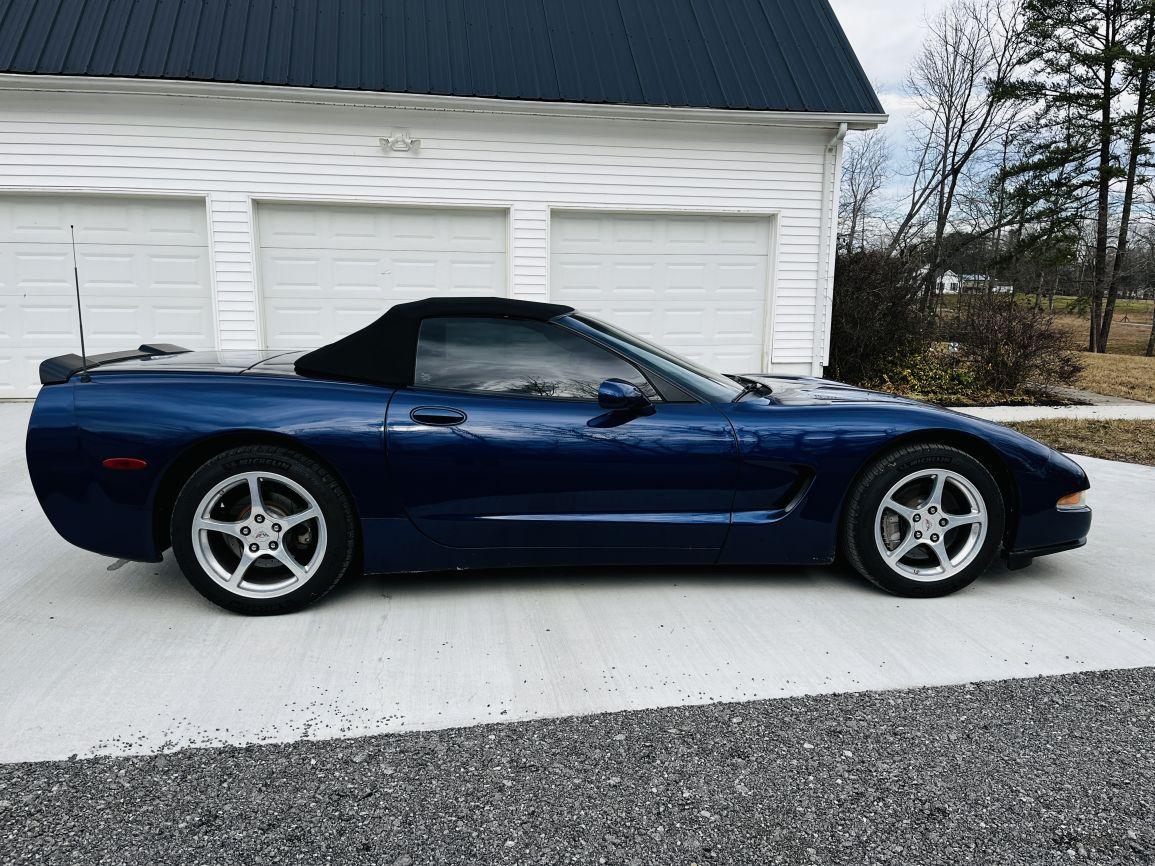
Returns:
<point x="298" y="325"/>
<point x="310" y="324"/>
<point x="338" y="227"/>
<point x="697" y="284"/>
<point x="24" y="268"/>
<point x="144" y="275"/>
<point x="360" y="275"/>
<point x="327" y="270"/>
<point x="45" y="324"/>
<point x="650" y="234"/>
<point x="107" y="220"/>
<point x="474" y="277"/>
<point x="284" y="272"/>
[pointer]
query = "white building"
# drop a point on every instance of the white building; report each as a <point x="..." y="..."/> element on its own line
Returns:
<point x="237" y="184"/>
<point x="947" y="282"/>
<point x="985" y="283"/>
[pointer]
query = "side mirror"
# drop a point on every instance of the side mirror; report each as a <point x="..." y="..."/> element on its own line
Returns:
<point x="618" y="395"/>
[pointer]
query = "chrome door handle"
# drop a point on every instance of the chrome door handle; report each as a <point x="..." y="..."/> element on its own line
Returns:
<point x="437" y="416"/>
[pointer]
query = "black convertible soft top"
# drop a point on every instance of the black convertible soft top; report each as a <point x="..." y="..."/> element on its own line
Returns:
<point x="383" y="352"/>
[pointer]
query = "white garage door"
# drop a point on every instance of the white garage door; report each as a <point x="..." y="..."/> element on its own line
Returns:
<point x="328" y="270"/>
<point x="696" y="284"/>
<point x="144" y="277"/>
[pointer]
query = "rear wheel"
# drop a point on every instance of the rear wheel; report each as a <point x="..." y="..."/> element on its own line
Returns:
<point x="263" y="530"/>
<point x="924" y="520"/>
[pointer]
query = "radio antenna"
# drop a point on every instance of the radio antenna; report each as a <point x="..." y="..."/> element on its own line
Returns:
<point x="79" y="309"/>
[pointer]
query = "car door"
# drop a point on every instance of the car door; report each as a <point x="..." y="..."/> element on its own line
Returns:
<point x="501" y="443"/>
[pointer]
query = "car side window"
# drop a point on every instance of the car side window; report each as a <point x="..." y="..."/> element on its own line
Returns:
<point x="516" y="356"/>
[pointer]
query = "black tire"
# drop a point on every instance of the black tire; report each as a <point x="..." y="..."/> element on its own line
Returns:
<point x="336" y="511"/>
<point x="861" y="523"/>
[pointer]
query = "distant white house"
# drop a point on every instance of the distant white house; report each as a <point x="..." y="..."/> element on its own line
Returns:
<point x="981" y="283"/>
<point x="274" y="175"/>
<point x="947" y="282"/>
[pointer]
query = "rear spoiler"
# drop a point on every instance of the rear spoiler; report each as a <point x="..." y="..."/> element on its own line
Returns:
<point x="56" y="371"/>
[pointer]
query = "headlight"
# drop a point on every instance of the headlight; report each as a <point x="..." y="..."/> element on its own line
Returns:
<point x="1072" y="501"/>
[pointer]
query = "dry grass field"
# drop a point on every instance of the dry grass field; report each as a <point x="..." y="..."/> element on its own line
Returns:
<point x="1128" y="441"/>
<point x="1127" y="338"/>
<point x="1131" y="376"/>
<point x="1124" y="371"/>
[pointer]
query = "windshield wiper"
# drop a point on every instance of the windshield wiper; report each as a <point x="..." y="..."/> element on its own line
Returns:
<point x="749" y="386"/>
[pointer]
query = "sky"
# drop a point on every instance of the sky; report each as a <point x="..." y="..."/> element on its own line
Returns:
<point x="886" y="35"/>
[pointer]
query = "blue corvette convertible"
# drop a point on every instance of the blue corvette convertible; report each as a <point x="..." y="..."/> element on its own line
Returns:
<point x="485" y="432"/>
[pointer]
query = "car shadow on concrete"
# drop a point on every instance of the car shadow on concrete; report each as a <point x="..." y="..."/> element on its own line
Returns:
<point x="166" y="579"/>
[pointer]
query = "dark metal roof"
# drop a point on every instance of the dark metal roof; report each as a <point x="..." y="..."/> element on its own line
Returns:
<point x="762" y="55"/>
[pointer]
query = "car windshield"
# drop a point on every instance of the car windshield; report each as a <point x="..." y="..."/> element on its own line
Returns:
<point x="708" y="383"/>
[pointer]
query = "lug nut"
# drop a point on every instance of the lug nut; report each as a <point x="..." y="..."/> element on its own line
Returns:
<point x="943" y="521"/>
<point x="246" y="531"/>
<point x="260" y="518"/>
<point x="917" y="518"/>
<point x="934" y="537"/>
<point x="276" y="527"/>
<point x="918" y="535"/>
<point x="933" y="510"/>
<point x="272" y="545"/>
<point x="254" y="547"/>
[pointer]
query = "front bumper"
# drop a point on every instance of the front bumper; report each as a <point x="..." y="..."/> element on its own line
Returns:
<point x="1069" y="526"/>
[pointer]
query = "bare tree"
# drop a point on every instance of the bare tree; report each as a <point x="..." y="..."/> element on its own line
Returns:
<point x="972" y="52"/>
<point x="864" y="173"/>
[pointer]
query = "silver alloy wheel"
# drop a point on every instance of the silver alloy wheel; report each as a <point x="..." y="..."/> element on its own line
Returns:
<point x="259" y="534"/>
<point x="931" y="525"/>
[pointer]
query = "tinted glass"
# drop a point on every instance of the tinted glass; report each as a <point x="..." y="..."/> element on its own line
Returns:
<point x="516" y="356"/>
<point x="702" y="380"/>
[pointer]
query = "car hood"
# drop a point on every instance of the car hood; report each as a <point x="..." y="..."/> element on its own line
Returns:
<point x="810" y="391"/>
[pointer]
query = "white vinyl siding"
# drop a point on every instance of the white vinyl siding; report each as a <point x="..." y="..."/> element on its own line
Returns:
<point x="698" y="285"/>
<point x="240" y="154"/>
<point x="327" y="270"/>
<point x="144" y="275"/>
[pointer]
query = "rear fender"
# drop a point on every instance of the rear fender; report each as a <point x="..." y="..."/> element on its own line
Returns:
<point x="160" y="417"/>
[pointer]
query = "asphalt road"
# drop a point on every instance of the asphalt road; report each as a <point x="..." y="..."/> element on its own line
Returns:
<point x="1039" y="771"/>
<point x="98" y="657"/>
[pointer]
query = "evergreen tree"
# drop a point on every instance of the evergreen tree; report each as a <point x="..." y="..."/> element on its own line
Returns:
<point x="1089" y="59"/>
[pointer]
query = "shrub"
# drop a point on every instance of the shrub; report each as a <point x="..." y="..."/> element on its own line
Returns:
<point x="1007" y="346"/>
<point x="877" y="325"/>
<point x="941" y="376"/>
<point x="936" y="376"/>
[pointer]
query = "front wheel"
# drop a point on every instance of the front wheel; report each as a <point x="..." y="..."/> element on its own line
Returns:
<point x="263" y="530"/>
<point x="924" y="520"/>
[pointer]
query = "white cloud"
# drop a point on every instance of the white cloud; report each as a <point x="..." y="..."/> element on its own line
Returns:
<point x="886" y="36"/>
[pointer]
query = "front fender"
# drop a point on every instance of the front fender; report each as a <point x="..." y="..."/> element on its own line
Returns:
<point x="834" y="443"/>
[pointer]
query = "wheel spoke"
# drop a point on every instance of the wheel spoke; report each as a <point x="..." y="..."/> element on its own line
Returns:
<point x="224" y="527"/>
<point x="238" y="574"/>
<point x="957" y="520"/>
<point x="292" y="520"/>
<point x="255" y="500"/>
<point x="936" y="490"/>
<point x="906" y="546"/>
<point x="286" y="558"/>
<point x="939" y="548"/>
<point x="903" y="511"/>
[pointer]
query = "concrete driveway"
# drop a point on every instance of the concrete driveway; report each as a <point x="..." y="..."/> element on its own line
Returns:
<point x="98" y="657"/>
